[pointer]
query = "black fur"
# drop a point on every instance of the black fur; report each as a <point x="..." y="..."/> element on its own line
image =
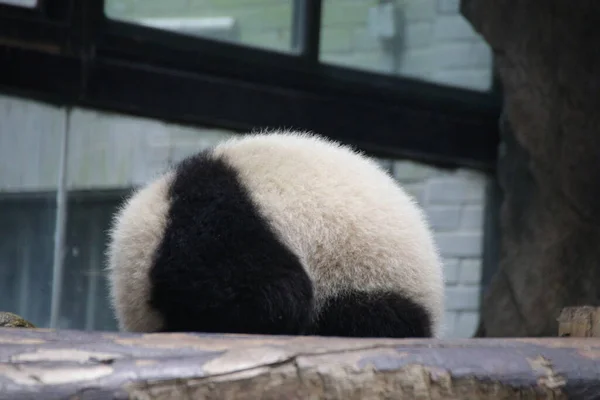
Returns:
<point x="220" y="267"/>
<point x="379" y="314"/>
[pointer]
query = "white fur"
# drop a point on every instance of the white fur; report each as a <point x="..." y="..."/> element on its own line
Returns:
<point x="136" y="233"/>
<point x="349" y="222"/>
<point x="351" y="225"/>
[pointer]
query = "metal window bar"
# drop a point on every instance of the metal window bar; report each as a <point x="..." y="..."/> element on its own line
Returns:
<point x="306" y="28"/>
<point x="60" y="226"/>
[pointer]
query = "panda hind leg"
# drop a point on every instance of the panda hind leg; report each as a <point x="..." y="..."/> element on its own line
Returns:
<point x="275" y="303"/>
<point x="372" y="314"/>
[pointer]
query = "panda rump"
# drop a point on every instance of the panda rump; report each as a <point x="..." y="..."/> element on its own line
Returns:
<point x="275" y="233"/>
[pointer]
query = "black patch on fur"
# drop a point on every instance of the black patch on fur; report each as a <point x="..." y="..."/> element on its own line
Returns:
<point x="220" y="267"/>
<point x="378" y="314"/>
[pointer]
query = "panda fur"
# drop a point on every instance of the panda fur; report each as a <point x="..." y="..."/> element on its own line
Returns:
<point x="275" y="233"/>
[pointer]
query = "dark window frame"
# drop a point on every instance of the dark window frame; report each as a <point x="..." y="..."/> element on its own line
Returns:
<point x="68" y="53"/>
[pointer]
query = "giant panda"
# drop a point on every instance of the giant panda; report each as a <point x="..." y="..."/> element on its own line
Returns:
<point x="279" y="233"/>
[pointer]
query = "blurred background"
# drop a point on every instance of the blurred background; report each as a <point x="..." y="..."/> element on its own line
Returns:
<point x="414" y="71"/>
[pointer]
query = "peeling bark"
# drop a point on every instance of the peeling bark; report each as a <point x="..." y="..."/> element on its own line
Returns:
<point x="548" y="58"/>
<point x="47" y="364"/>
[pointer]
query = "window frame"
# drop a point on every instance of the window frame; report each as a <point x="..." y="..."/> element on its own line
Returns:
<point x="69" y="53"/>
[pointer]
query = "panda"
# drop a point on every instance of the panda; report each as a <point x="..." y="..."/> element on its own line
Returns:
<point x="276" y="233"/>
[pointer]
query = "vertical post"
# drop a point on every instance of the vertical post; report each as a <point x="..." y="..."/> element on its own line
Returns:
<point x="60" y="226"/>
<point x="491" y="231"/>
<point x="306" y="28"/>
<point x="579" y="322"/>
<point x="296" y="26"/>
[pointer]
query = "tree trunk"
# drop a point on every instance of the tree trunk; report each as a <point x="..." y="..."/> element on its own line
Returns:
<point x="45" y="364"/>
<point x="548" y="58"/>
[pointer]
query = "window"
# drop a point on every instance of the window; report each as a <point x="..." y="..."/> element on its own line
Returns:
<point x="260" y="23"/>
<point x="29" y="171"/>
<point x="404" y="79"/>
<point x="21" y="3"/>
<point x="423" y="39"/>
<point x="110" y="154"/>
<point x="344" y="68"/>
<point x="426" y="40"/>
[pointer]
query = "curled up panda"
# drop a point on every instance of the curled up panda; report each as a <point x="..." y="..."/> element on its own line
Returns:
<point x="275" y="233"/>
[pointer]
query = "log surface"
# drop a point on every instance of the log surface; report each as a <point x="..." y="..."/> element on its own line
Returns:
<point x="579" y="322"/>
<point x="45" y="364"/>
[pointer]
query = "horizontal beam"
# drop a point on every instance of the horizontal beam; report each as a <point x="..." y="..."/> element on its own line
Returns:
<point x="74" y="364"/>
<point x="70" y="53"/>
<point x="442" y="136"/>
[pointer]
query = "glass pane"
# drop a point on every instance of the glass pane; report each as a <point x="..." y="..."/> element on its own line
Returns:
<point x="261" y="23"/>
<point x="454" y="202"/>
<point x="423" y="39"/>
<point x="84" y="296"/>
<point x="30" y="146"/>
<point x="21" y="3"/>
<point x="109" y="156"/>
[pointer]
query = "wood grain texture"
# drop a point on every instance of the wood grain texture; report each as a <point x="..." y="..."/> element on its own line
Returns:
<point x="579" y="322"/>
<point x="38" y="363"/>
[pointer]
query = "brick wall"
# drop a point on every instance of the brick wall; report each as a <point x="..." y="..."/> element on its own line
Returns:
<point x="453" y="202"/>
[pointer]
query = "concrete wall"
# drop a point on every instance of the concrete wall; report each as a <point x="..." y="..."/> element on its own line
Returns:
<point x="108" y="151"/>
<point x="422" y="39"/>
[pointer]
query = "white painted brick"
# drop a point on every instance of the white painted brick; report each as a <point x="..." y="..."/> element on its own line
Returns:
<point x="463" y="54"/>
<point x="474" y="79"/>
<point x="183" y="135"/>
<point x="448" y="6"/>
<point x="462" y="298"/>
<point x="470" y="175"/>
<point x="480" y="54"/>
<point x="466" y="324"/>
<point x="417" y="62"/>
<point x="458" y="244"/>
<point x="470" y="271"/>
<point x="452" y="27"/>
<point x="150" y="163"/>
<point x="30" y="141"/>
<point x="472" y="217"/>
<point x="454" y="190"/>
<point x="419" y="10"/>
<point x="409" y="171"/>
<point x="449" y="324"/>
<point x="444" y="218"/>
<point x="418" y="34"/>
<point x="451" y="271"/>
<point x="364" y="41"/>
<point x="116" y="9"/>
<point x="181" y="151"/>
<point x="415" y="190"/>
<point x="372" y="61"/>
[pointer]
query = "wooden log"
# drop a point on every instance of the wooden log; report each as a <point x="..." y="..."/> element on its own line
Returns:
<point x="579" y="322"/>
<point x="47" y="364"/>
